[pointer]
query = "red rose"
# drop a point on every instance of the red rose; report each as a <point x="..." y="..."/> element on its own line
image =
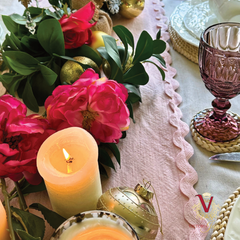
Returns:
<point x="20" y="138"/>
<point x="76" y="27"/>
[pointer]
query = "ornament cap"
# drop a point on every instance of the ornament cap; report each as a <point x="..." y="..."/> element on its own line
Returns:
<point x="143" y="192"/>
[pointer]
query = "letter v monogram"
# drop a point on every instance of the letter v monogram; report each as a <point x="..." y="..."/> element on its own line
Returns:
<point x="206" y="208"/>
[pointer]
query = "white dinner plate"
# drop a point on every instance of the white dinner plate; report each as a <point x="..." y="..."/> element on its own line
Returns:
<point x="189" y="21"/>
<point x="198" y="18"/>
<point x="233" y="226"/>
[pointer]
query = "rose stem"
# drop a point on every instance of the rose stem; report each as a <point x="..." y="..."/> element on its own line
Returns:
<point x="13" y="193"/>
<point x="21" y="198"/>
<point x="8" y="209"/>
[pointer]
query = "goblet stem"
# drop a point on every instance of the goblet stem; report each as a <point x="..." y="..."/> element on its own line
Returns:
<point x="220" y="107"/>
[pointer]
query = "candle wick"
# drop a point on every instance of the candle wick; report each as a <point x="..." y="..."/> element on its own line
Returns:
<point x="70" y="160"/>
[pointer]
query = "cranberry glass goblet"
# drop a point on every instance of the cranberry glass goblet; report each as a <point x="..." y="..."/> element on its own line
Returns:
<point x="219" y="63"/>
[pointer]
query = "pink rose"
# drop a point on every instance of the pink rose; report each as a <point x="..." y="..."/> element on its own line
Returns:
<point x="97" y="105"/>
<point x="20" y="139"/>
<point x="76" y="28"/>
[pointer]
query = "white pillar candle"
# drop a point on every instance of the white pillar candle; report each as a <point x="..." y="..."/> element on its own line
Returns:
<point x="73" y="184"/>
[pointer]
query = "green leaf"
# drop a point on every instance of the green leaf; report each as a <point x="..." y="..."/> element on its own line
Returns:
<point x="44" y="59"/>
<point x="11" y="43"/>
<point x="21" y="87"/>
<point x="32" y="45"/>
<point x="21" y="62"/>
<point x="27" y="188"/>
<point x="123" y="55"/>
<point x="22" y="31"/>
<point x="134" y="94"/>
<point x="67" y="58"/>
<point x="16" y="41"/>
<point x="28" y="97"/>
<point x="16" y="224"/>
<point x="54" y="219"/>
<point x="41" y="90"/>
<point x="159" y="46"/>
<point x="85" y="51"/>
<point x="10" y="24"/>
<point x="34" y="11"/>
<point x="56" y="14"/>
<point x="124" y="134"/>
<point x="122" y="36"/>
<point x="104" y="158"/>
<point x="125" y="35"/>
<point x="144" y="49"/>
<point x="56" y="67"/>
<point x="34" y="224"/>
<point x="136" y="75"/>
<point x="102" y="170"/>
<point x="50" y="36"/>
<point x="55" y="3"/>
<point x="160" y="59"/>
<point x="158" y="36"/>
<point x="11" y="82"/>
<point x="129" y="105"/>
<point x="103" y="52"/>
<point x="160" y="70"/>
<point x="51" y="14"/>
<point x="3" y="67"/>
<point x="18" y="19"/>
<point x="112" y="50"/>
<point x="116" y="72"/>
<point x="114" y="149"/>
<point x="49" y="75"/>
<point x="8" y="44"/>
<point x="85" y="66"/>
<point x="26" y="236"/>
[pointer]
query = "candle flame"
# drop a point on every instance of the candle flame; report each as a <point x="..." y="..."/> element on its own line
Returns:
<point x="66" y="154"/>
<point x="68" y="160"/>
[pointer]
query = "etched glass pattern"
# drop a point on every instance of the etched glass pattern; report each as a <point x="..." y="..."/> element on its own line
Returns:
<point x="219" y="63"/>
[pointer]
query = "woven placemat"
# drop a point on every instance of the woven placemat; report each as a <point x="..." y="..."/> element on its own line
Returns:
<point x="216" y="147"/>
<point x="183" y="47"/>
<point x="223" y="216"/>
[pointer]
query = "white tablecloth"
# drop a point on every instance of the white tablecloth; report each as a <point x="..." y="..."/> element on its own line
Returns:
<point x="218" y="178"/>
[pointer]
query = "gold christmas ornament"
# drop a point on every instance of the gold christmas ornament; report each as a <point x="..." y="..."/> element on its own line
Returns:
<point x="135" y="206"/>
<point x="106" y="67"/>
<point x="71" y="71"/>
<point x="131" y="8"/>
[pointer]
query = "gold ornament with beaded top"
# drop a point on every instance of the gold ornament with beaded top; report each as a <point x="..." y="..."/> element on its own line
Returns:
<point x="135" y="206"/>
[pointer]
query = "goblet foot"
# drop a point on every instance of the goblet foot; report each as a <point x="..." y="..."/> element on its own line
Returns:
<point x="217" y="130"/>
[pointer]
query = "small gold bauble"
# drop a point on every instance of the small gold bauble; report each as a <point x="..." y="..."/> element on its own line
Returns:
<point x="135" y="207"/>
<point x="106" y="68"/>
<point x="131" y="8"/>
<point x="71" y="71"/>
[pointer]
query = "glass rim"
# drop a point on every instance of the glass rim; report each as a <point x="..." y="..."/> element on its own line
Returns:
<point x="87" y="214"/>
<point x="202" y="38"/>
